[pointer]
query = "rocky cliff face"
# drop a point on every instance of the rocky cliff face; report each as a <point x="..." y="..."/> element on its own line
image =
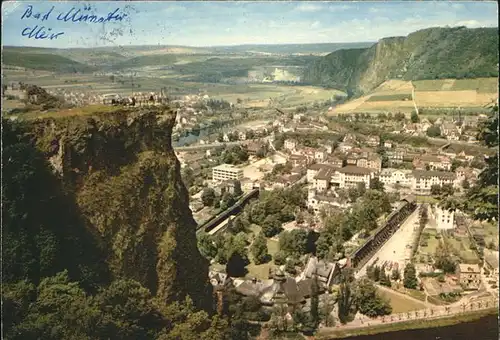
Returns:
<point x="433" y="53"/>
<point x="125" y="178"/>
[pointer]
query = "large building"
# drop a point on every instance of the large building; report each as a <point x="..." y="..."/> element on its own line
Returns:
<point x="402" y="177"/>
<point x="424" y="180"/>
<point x="226" y="172"/>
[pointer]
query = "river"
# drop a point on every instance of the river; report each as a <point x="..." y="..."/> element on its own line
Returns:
<point x="485" y="328"/>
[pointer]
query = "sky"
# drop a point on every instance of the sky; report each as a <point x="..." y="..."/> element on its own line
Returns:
<point x="194" y="23"/>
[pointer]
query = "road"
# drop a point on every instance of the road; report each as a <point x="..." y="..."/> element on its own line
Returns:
<point x="395" y="249"/>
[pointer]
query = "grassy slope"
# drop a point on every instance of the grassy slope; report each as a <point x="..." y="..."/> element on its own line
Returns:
<point x="426" y="54"/>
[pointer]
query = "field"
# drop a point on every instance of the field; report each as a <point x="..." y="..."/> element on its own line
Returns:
<point x="399" y="303"/>
<point x="440" y="93"/>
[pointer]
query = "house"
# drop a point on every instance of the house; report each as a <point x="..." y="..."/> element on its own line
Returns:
<point x="290" y="144"/>
<point x="320" y="155"/>
<point x="321" y="269"/>
<point x="396" y="156"/>
<point x="372" y="161"/>
<point x="373" y="141"/>
<point x="349" y="138"/>
<point x="254" y="147"/>
<point x="323" y="178"/>
<point x="469" y="276"/>
<point x="317" y="201"/>
<point x="451" y="131"/>
<point x="442" y="219"/>
<point x="242" y="135"/>
<point x="345" y="147"/>
<point x="335" y="161"/>
<point x="423" y="180"/>
<point x="313" y="170"/>
<point x="432" y="162"/>
<point x="352" y="158"/>
<point x="297" y="160"/>
<point x="301" y="170"/>
<point x="388" y="144"/>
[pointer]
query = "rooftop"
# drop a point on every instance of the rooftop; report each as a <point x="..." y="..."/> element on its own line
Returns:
<point x="428" y="174"/>
<point x="355" y="170"/>
<point x="469" y="268"/>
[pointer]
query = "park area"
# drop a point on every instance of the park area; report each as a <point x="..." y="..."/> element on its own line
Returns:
<point x="399" y="302"/>
<point x="261" y="271"/>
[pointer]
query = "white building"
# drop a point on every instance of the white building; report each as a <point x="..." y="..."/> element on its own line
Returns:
<point x="402" y="177"/>
<point x="351" y="175"/>
<point x="423" y="180"/>
<point x="226" y="172"/>
<point x="442" y="219"/>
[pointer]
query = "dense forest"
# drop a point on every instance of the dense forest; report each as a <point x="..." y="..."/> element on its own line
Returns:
<point x="433" y="53"/>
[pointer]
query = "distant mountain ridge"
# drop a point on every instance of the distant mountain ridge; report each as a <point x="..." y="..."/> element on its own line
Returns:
<point x="433" y="53"/>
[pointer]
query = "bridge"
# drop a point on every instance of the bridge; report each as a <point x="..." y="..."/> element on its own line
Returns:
<point x="364" y="253"/>
<point x="233" y="210"/>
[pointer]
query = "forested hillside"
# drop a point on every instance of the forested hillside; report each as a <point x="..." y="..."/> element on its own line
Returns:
<point x="433" y="53"/>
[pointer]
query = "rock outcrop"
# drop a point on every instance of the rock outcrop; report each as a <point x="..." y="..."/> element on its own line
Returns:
<point x="123" y="174"/>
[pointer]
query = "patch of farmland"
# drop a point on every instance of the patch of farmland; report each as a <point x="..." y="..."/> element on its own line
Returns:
<point x="429" y="85"/>
<point x="488" y="85"/>
<point x="390" y="97"/>
<point x="446" y="98"/>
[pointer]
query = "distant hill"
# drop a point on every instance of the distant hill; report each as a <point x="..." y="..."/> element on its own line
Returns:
<point x="433" y="53"/>
<point x="43" y="61"/>
<point x="290" y="48"/>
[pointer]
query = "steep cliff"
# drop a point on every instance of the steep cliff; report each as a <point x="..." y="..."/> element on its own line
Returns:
<point x="121" y="172"/>
<point x="433" y="53"/>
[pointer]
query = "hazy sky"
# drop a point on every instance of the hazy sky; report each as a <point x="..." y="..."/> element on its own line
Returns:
<point x="233" y="23"/>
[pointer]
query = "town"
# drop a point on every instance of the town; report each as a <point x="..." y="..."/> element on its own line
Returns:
<point x="250" y="171"/>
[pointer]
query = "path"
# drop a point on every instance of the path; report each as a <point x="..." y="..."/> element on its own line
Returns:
<point x="395" y="249"/>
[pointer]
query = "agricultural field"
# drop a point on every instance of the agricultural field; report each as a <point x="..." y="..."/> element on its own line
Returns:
<point x="428" y="94"/>
<point x="390" y="97"/>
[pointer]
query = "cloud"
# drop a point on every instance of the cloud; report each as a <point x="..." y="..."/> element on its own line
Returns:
<point x="308" y="7"/>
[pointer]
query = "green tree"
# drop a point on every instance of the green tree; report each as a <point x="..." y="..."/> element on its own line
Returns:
<point x="395" y="275"/>
<point x="410" y="276"/>
<point x="279" y="258"/>
<point x="237" y="188"/>
<point x="315" y="302"/>
<point x="368" y="301"/>
<point x="208" y="197"/>
<point x="345" y="298"/>
<point x="482" y="198"/>
<point x="259" y="249"/>
<point x="293" y="242"/>
<point x="443" y="258"/>
<point x="414" y="117"/>
<point x="376" y="184"/>
<point x="271" y="226"/>
<point x="433" y="131"/>
<point x="207" y="246"/>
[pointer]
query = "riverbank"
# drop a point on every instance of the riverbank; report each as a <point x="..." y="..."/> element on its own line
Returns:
<point x="325" y="334"/>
